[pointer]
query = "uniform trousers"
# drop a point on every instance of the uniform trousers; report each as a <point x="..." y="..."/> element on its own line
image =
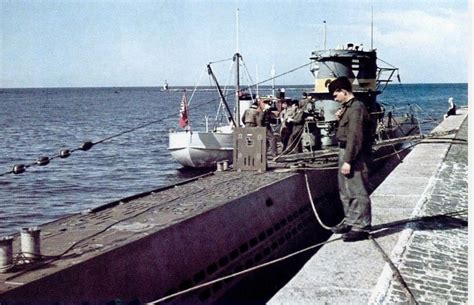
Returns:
<point x="353" y="191"/>
<point x="271" y="142"/>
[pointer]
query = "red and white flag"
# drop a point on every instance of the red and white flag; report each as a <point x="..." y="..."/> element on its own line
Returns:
<point x="183" y="112"/>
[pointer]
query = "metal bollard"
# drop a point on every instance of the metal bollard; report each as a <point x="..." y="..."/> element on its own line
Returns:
<point x="6" y="253"/>
<point x="225" y="165"/>
<point x="30" y="242"/>
<point x="219" y="166"/>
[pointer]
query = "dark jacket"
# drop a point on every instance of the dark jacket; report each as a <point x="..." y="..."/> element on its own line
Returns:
<point x="353" y="132"/>
<point x="264" y="119"/>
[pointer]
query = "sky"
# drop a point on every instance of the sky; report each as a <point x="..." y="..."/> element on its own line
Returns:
<point x="92" y="43"/>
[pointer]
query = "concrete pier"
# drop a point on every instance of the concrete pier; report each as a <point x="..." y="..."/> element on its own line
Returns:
<point x="420" y="223"/>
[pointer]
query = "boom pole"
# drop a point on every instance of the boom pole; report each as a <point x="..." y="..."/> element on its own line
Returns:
<point x="229" y="112"/>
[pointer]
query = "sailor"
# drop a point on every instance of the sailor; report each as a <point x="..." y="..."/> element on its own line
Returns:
<point x="452" y="108"/>
<point x="286" y="127"/>
<point x="250" y="116"/>
<point x="264" y="120"/>
<point x="305" y="99"/>
<point x="353" y="134"/>
<point x="297" y="119"/>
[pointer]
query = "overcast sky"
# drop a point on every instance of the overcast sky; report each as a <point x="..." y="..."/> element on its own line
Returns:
<point x="91" y="43"/>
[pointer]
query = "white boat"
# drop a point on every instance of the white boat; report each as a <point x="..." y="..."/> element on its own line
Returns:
<point x="205" y="148"/>
<point x="201" y="149"/>
<point x="166" y="87"/>
<point x="193" y="148"/>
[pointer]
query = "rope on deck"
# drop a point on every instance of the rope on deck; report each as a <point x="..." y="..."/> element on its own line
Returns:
<point x="327" y="155"/>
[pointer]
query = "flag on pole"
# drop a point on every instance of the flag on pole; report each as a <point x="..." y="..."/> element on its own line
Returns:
<point x="183" y="112"/>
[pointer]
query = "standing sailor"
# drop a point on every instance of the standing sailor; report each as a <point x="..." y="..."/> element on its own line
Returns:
<point x="250" y="117"/>
<point x="297" y="120"/>
<point x="264" y="120"/>
<point x="285" y="126"/>
<point x="353" y="134"/>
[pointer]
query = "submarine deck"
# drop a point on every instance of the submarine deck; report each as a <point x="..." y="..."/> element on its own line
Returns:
<point x="79" y="237"/>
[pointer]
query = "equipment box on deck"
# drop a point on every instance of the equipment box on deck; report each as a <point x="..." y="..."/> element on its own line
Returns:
<point x="250" y="147"/>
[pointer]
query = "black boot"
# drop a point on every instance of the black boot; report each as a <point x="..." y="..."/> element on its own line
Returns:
<point x="341" y="229"/>
<point x="355" y="236"/>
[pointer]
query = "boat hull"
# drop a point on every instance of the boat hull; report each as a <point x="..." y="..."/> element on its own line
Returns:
<point x="200" y="149"/>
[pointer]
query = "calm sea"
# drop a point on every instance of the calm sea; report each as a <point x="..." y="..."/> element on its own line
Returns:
<point x="40" y="122"/>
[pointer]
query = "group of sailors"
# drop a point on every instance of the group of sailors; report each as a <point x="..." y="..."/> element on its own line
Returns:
<point x="289" y="120"/>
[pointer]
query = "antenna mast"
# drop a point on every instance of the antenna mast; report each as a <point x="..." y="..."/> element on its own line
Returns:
<point x="324" y="34"/>
<point x="237" y="74"/>
<point x="237" y="27"/>
<point x="372" y="29"/>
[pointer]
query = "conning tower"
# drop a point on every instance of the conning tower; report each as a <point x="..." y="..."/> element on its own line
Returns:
<point x="368" y="80"/>
<point x="354" y="63"/>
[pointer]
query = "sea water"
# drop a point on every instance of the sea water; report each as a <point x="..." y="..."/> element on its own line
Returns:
<point x="40" y="122"/>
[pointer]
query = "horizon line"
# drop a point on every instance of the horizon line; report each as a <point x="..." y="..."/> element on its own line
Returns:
<point x="191" y="87"/>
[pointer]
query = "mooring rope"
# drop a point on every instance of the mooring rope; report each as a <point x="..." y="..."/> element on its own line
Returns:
<point x="314" y="208"/>
<point x="244" y="271"/>
<point x="182" y="292"/>
<point x="395" y="271"/>
<point x="55" y="257"/>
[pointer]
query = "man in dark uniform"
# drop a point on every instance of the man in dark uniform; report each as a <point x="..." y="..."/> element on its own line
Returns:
<point x="264" y="120"/>
<point x="353" y="134"/>
<point x="297" y="119"/>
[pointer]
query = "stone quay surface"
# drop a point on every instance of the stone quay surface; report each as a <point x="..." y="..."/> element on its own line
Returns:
<point x="418" y="250"/>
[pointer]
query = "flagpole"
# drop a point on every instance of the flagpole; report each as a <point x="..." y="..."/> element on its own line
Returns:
<point x="273" y="73"/>
<point x="183" y="112"/>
